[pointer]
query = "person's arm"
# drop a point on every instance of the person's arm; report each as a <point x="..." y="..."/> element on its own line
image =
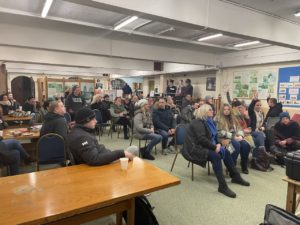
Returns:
<point x="138" y="124"/>
<point x="157" y="123"/>
<point x="61" y="128"/>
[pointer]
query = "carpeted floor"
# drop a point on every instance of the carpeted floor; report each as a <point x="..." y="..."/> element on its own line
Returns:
<point x="198" y="202"/>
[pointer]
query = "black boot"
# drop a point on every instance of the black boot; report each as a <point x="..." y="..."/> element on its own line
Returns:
<point x="244" y="165"/>
<point x="223" y="188"/>
<point x="125" y="130"/>
<point x="239" y="180"/>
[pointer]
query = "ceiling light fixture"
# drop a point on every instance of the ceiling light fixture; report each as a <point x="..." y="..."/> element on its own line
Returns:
<point x="46" y="8"/>
<point x="210" y="37"/>
<point x="247" y="43"/>
<point x="126" y="22"/>
<point x="297" y="14"/>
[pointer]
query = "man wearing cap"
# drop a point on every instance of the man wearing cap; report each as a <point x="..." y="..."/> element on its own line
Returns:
<point x="74" y="101"/>
<point x="84" y="146"/>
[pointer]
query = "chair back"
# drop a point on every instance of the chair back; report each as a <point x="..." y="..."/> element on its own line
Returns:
<point x="51" y="149"/>
<point x="271" y="121"/>
<point x="296" y="118"/>
<point x="180" y="132"/>
<point x="67" y="117"/>
<point x="98" y="115"/>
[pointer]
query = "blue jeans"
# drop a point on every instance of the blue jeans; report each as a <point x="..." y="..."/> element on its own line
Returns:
<point x="164" y="134"/>
<point x="216" y="162"/>
<point x="259" y="141"/>
<point x="14" y="167"/>
<point x="154" y="140"/>
<point x="13" y="144"/>
<point x="242" y="148"/>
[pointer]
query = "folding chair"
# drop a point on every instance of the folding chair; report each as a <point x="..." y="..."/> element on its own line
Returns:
<point x="100" y="123"/>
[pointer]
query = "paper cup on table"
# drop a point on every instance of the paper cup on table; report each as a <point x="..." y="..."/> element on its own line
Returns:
<point x="124" y="163"/>
<point x="1" y="133"/>
<point x="20" y="108"/>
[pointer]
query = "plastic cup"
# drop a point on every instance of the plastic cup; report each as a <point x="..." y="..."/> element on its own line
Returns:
<point x="20" y="108"/>
<point x="124" y="163"/>
<point x="1" y="133"/>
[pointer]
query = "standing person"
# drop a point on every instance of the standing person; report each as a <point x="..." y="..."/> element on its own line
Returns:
<point x="84" y="145"/>
<point x="164" y="124"/>
<point x="30" y="105"/>
<point x="143" y="128"/>
<point x="55" y="121"/>
<point x="75" y="101"/>
<point x="201" y="142"/>
<point x="231" y="134"/>
<point x="171" y="89"/>
<point x="126" y="90"/>
<point x="187" y="89"/>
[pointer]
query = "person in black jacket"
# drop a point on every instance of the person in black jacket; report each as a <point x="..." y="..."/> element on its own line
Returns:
<point x="274" y="110"/>
<point x="201" y="143"/>
<point x="74" y="101"/>
<point x="84" y="146"/>
<point x="187" y="89"/>
<point x="164" y="124"/>
<point x="171" y="89"/>
<point x="30" y="105"/>
<point x="55" y="121"/>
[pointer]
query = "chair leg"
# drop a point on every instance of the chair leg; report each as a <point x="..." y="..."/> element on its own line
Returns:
<point x="188" y="164"/>
<point x="192" y="171"/>
<point x="131" y="139"/>
<point x="208" y="168"/>
<point x="174" y="161"/>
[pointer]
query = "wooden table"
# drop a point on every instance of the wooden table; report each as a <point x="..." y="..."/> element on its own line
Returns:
<point x="77" y="194"/>
<point x="7" y="134"/>
<point x="292" y="191"/>
<point x="17" y="118"/>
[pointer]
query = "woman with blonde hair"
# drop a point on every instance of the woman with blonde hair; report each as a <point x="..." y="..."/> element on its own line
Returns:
<point x="231" y="136"/>
<point x="202" y="145"/>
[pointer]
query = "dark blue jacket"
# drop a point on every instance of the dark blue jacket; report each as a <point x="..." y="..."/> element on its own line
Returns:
<point x="163" y="119"/>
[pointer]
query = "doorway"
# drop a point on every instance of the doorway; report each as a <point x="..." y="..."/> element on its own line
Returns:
<point x="22" y="88"/>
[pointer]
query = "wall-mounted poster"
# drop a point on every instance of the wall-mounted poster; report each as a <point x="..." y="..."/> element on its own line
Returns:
<point x="288" y="86"/>
<point x="87" y="90"/>
<point x="55" y="89"/>
<point x="210" y="83"/>
<point x="70" y="84"/>
<point x="246" y="83"/>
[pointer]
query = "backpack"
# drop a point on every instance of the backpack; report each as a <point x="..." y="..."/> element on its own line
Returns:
<point x="143" y="212"/>
<point x="277" y="216"/>
<point x="262" y="161"/>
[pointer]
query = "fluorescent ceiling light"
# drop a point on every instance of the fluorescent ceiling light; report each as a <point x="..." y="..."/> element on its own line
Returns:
<point x="126" y="22"/>
<point x="210" y="37"/>
<point x="247" y="43"/>
<point x="46" y="8"/>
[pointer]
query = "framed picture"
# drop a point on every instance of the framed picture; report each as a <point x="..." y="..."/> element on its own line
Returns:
<point x="210" y="83"/>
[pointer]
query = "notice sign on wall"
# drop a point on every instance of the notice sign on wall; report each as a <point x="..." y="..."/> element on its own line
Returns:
<point x="288" y="86"/>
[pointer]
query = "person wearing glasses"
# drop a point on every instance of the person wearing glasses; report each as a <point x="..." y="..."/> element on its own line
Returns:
<point x="202" y="144"/>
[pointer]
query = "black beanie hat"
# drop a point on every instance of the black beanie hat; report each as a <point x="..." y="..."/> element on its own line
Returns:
<point x="84" y="115"/>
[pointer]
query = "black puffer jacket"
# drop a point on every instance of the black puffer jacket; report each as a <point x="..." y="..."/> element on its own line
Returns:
<point x="197" y="143"/>
<point x="55" y="123"/>
<point x="163" y="119"/>
<point x="274" y="111"/>
<point x="86" y="149"/>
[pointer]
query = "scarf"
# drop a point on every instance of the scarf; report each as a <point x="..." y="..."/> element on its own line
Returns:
<point x="213" y="130"/>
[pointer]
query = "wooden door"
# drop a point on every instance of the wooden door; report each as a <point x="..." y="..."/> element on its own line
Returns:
<point x="22" y="88"/>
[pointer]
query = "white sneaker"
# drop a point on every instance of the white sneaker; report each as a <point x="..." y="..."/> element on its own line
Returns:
<point x="165" y="151"/>
<point x="171" y="150"/>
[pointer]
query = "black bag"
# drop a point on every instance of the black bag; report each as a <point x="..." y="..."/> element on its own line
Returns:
<point x="292" y="162"/>
<point x="277" y="216"/>
<point x="143" y="212"/>
<point x="262" y="161"/>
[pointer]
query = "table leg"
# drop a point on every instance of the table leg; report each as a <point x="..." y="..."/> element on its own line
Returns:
<point x="119" y="218"/>
<point x="291" y="198"/>
<point x="131" y="212"/>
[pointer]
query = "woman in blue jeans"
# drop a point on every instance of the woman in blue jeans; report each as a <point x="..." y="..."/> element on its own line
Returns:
<point x="202" y="145"/>
<point x="231" y="135"/>
<point x="143" y="128"/>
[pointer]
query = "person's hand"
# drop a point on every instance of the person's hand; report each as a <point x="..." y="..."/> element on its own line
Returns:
<point x="261" y="128"/>
<point x="247" y="130"/>
<point x="282" y="143"/>
<point x="173" y="131"/>
<point x="128" y="155"/>
<point x="152" y="130"/>
<point x="218" y="148"/>
<point x="170" y="132"/>
<point x="121" y="114"/>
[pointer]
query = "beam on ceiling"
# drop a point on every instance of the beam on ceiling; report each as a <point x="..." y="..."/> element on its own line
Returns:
<point x="217" y="15"/>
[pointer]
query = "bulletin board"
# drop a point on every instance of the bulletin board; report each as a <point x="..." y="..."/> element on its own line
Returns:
<point x="246" y="83"/>
<point x="288" y="86"/>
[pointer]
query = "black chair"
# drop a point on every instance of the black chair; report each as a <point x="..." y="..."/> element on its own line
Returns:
<point x="100" y="125"/>
<point x="51" y="149"/>
<point x="114" y="124"/>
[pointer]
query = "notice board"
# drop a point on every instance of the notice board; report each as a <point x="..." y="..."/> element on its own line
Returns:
<point x="288" y="86"/>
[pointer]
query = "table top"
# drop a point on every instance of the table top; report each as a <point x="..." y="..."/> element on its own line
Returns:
<point x="25" y="135"/>
<point x="50" y="195"/>
<point x="16" y="118"/>
<point x="291" y="181"/>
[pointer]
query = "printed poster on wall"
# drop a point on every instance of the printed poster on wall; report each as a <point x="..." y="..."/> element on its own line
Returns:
<point x="55" y="89"/>
<point x="246" y="83"/>
<point x="288" y="86"/>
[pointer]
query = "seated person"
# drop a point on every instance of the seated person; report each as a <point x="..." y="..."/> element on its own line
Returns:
<point x="15" y="105"/>
<point x="10" y="158"/>
<point x="187" y="100"/>
<point x="187" y="113"/>
<point x="256" y="114"/>
<point x="201" y="142"/>
<point x="119" y="115"/>
<point x="143" y="128"/>
<point x="231" y="134"/>
<point x="274" y="110"/>
<point x="287" y="135"/>
<point x="96" y="102"/>
<point x="84" y="145"/>
<point x="55" y="121"/>
<point x="30" y="105"/>
<point x="105" y="109"/>
<point x="174" y="109"/>
<point x="6" y="105"/>
<point x="164" y="124"/>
